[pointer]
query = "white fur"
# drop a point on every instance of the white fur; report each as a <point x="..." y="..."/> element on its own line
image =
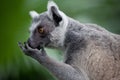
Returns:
<point x="58" y="35"/>
<point x="33" y="14"/>
<point x="50" y="4"/>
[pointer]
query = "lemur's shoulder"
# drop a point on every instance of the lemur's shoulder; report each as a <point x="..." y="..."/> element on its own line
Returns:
<point x="90" y="28"/>
<point x="95" y="26"/>
<point x="75" y="24"/>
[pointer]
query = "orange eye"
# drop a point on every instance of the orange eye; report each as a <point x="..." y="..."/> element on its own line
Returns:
<point x="40" y="30"/>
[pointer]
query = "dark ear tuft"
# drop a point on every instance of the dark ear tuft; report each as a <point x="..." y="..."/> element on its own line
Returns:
<point x="56" y="16"/>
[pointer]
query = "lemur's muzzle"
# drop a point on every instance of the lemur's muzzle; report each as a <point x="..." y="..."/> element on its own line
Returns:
<point x="34" y="44"/>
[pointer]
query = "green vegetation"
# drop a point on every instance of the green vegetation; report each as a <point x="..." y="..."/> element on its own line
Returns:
<point x="15" y="21"/>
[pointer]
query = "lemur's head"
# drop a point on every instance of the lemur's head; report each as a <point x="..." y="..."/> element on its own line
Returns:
<point x="48" y="28"/>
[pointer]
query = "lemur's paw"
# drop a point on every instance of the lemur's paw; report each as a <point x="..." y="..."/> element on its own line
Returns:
<point x="28" y="50"/>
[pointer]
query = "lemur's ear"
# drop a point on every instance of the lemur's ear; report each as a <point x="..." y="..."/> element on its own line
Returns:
<point x="54" y="12"/>
<point x="33" y="14"/>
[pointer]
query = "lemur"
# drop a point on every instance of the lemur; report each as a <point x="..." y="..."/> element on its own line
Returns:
<point x="91" y="52"/>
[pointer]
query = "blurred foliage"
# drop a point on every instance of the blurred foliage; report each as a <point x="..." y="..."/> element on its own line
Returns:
<point x="15" y="21"/>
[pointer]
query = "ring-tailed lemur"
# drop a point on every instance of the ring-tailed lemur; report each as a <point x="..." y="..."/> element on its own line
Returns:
<point x="91" y="52"/>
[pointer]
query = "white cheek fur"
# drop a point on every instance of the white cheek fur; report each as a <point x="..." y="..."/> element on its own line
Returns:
<point x="58" y="35"/>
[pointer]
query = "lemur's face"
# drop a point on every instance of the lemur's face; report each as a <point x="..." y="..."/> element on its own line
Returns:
<point x="47" y="28"/>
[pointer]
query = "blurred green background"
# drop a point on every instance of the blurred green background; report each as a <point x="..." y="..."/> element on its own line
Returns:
<point x="15" y="21"/>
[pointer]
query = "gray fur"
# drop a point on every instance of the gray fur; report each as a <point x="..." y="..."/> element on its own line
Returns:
<point x="91" y="52"/>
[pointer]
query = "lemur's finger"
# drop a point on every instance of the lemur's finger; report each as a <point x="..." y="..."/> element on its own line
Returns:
<point x="28" y="47"/>
<point x="25" y="45"/>
<point x="43" y="51"/>
<point x="20" y="45"/>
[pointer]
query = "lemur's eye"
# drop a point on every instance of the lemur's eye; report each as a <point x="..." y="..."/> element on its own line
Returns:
<point x="41" y="30"/>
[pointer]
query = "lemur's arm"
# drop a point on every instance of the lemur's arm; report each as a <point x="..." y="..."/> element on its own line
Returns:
<point x="61" y="70"/>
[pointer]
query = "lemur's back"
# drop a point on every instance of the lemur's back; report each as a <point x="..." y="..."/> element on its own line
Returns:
<point x="94" y="51"/>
